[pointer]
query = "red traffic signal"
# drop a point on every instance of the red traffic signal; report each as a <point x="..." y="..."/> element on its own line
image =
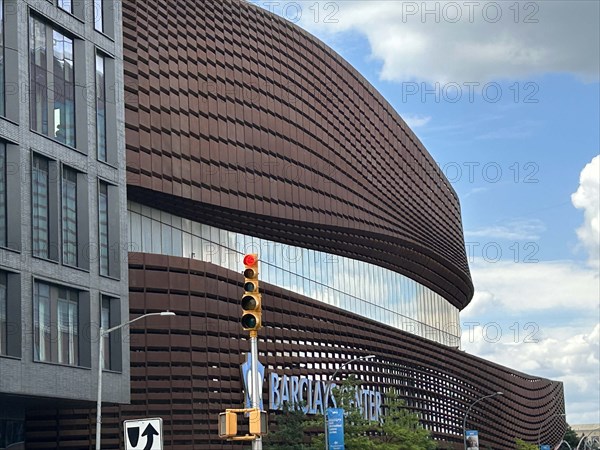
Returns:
<point x="251" y="300"/>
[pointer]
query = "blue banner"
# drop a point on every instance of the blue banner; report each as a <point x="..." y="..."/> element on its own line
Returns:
<point x="472" y="437"/>
<point x="335" y="428"/>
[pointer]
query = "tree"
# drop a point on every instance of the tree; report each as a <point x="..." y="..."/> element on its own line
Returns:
<point x="522" y="445"/>
<point x="291" y="426"/>
<point x="399" y="428"/>
<point x="571" y="437"/>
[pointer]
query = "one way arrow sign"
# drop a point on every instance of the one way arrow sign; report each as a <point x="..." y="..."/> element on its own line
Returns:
<point x="143" y="434"/>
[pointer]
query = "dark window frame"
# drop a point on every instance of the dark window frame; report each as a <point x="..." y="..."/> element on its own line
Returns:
<point x="40" y="223"/>
<point x="110" y="308"/>
<point x="101" y="123"/>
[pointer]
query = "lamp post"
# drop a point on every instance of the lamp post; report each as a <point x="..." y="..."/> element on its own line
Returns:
<point x="544" y="422"/>
<point x="103" y="333"/>
<point x="328" y="389"/>
<point x="467" y="413"/>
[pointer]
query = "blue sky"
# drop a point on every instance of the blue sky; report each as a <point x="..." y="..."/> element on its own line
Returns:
<point x="505" y="96"/>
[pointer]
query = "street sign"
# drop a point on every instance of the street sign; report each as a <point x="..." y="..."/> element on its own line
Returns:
<point x="143" y="434"/>
<point x="472" y="439"/>
<point x="248" y="381"/>
<point x="544" y="447"/>
<point x="335" y="428"/>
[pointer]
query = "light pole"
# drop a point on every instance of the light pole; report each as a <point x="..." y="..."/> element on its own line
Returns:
<point x="544" y="422"/>
<point x="328" y="389"/>
<point x="102" y="333"/>
<point x="467" y="413"/>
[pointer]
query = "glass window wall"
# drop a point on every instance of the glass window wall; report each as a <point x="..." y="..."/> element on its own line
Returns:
<point x="366" y="289"/>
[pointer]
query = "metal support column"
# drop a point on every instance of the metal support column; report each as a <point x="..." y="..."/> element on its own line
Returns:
<point x="255" y="394"/>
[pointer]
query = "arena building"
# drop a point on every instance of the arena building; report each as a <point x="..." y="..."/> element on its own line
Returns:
<point x="243" y="133"/>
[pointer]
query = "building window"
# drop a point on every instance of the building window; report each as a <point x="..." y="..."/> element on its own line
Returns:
<point x="99" y="15"/>
<point x="41" y="322"/>
<point x="40" y="206"/>
<point x="69" y="216"/>
<point x="101" y="107"/>
<point x="3" y="313"/>
<point x="103" y="226"/>
<point x="52" y="107"/>
<point x="105" y="324"/>
<point x="110" y="316"/>
<point x="2" y="58"/>
<point x="3" y="215"/>
<point x="56" y="324"/>
<point x="68" y="316"/>
<point x="66" y="5"/>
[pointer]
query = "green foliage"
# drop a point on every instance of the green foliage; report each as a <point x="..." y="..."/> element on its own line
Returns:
<point x="520" y="444"/>
<point x="571" y="437"/>
<point x="291" y="426"/>
<point x="399" y="428"/>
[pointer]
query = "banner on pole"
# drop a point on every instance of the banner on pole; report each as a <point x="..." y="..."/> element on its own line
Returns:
<point x="335" y="428"/>
<point x="472" y="439"/>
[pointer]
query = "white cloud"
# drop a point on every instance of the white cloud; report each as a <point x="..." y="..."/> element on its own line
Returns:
<point x="532" y="39"/>
<point x="506" y="286"/>
<point x="572" y="359"/>
<point x="415" y="121"/>
<point x="541" y="319"/>
<point x="587" y="198"/>
<point x="514" y="230"/>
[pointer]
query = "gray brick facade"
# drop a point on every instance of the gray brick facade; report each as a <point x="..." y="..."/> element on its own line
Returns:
<point x="24" y="382"/>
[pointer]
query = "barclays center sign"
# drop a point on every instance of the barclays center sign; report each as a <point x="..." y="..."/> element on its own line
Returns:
<point x="307" y="394"/>
<point x="310" y="395"/>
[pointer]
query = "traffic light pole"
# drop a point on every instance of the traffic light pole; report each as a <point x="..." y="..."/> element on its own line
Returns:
<point x="255" y="394"/>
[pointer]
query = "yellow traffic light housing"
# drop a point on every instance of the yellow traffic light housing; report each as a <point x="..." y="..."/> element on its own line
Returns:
<point x="257" y="424"/>
<point x="251" y="300"/>
<point x="227" y="424"/>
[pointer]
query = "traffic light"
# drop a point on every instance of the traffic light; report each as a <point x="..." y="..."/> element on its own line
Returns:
<point x="227" y="424"/>
<point x="258" y="422"/>
<point x="251" y="301"/>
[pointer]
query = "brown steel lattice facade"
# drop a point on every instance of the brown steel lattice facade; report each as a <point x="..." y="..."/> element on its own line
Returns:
<point x="231" y="109"/>
<point x="188" y="371"/>
<point x="238" y="119"/>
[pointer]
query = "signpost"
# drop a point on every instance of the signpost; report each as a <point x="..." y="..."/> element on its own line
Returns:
<point x="143" y="434"/>
<point x="472" y="439"/>
<point x="335" y="428"/>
